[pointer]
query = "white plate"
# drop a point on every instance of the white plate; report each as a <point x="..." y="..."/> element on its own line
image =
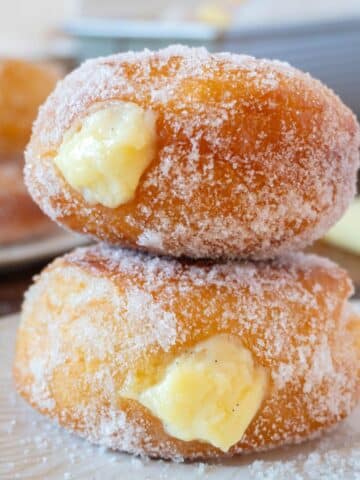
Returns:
<point x="38" y="249"/>
<point x="31" y="447"/>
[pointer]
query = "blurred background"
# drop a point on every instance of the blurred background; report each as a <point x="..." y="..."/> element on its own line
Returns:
<point x="319" y="36"/>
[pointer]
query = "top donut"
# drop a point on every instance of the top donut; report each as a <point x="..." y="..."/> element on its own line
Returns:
<point x="185" y="152"/>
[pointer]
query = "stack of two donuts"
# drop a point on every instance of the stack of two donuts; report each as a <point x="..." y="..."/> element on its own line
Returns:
<point x="194" y="331"/>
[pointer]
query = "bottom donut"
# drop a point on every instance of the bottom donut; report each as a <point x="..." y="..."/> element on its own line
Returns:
<point x="188" y="360"/>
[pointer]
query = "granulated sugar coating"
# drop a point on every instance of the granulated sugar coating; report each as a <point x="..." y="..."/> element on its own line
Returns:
<point x="99" y="316"/>
<point x="30" y="443"/>
<point x="333" y="458"/>
<point x="254" y="158"/>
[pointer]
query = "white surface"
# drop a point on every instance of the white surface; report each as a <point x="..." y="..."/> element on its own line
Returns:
<point x="31" y="447"/>
<point x="38" y="249"/>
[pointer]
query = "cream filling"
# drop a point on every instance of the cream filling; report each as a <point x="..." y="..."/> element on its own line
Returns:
<point x="105" y="156"/>
<point x="210" y="393"/>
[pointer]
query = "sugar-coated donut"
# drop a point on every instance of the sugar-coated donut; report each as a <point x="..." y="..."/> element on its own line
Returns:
<point x="20" y="217"/>
<point x="120" y="347"/>
<point x="24" y="86"/>
<point x="234" y="156"/>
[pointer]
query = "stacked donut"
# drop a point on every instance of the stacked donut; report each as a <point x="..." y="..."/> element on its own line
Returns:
<point x="194" y="331"/>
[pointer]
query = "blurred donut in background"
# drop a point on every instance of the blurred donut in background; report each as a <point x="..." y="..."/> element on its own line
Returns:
<point x="20" y="217"/>
<point x="23" y="88"/>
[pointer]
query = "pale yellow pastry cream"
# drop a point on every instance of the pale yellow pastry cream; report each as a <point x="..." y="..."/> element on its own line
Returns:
<point x="210" y="393"/>
<point x="104" y="156"/>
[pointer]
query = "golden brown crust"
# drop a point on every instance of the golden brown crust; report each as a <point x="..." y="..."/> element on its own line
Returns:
<point x="254" y="158"/>
<point x="97" y="314"/>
